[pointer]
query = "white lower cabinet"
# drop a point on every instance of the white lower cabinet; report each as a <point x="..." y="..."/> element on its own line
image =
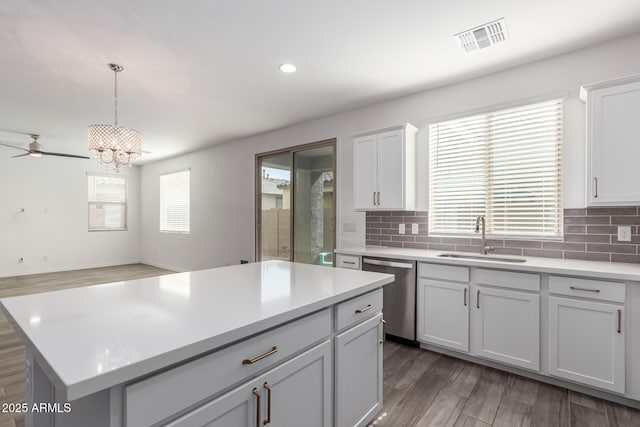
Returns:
<point x="296" y="393"/>
<point x="443" y="316"/>
<point x="235" y="408"/>
<point x="506" y="326"/>
<point x="358" y="373"/>
<point x="586" y="342"/>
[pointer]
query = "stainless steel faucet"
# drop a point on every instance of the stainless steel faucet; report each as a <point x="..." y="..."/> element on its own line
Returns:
<point x="484" y="249"/>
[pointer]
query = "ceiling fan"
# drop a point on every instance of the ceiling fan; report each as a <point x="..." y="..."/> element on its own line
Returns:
<point x="35" y="150"/>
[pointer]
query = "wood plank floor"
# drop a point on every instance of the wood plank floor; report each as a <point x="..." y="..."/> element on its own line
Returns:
<point x="12" y="352"/>
<point x="423" y="388"/>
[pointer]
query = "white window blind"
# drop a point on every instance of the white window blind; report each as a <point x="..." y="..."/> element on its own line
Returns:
<point x="107" y="202"/>
<point x="505" y="165"/>
<point x="175" y="202"/>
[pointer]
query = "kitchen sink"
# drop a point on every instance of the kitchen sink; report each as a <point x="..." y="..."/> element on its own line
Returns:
<point x="483" y="258"/>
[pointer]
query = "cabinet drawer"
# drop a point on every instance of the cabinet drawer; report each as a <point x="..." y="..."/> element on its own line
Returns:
<point x="348" y="261"/>
<point x="587" y="288"/>
<point x="160" y="396"/>
<point x="443" y="272"/>
<point x="508" y="279"/>
<point x="358" y="309"/>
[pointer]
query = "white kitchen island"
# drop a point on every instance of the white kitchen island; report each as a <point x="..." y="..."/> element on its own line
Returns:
<point x="265" y="343"/>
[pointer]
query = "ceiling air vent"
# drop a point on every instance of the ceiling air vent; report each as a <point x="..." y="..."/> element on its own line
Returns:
<point x="483" y="36"/>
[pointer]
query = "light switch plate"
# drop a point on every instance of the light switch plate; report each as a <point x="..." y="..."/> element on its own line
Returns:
<point x="624" y="233"/>
<point x="401" y="228"/>
<point x="414" y="228"/>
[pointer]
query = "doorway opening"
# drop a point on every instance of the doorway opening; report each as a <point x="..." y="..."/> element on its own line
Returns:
<point x="296" y="204"/>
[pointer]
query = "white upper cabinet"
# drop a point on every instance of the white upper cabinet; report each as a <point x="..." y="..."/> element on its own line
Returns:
<point x="384" y="169"/>
<point x="613" y="141"/>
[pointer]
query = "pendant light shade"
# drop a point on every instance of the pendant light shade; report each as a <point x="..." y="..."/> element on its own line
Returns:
<point x="112" y="144"/>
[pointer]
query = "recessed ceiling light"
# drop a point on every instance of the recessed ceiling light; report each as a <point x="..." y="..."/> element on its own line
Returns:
<point x="288" y="68"/>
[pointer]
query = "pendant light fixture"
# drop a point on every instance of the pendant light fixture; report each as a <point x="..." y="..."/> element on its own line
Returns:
<point x="112" y="144"/>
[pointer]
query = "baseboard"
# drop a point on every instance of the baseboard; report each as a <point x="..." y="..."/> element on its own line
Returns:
<point x="165" y="266"/>
<point x="70" y="268"/>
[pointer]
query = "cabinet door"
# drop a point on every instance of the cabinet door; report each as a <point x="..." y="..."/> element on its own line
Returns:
<point x="300" y="391"/>
<point x="586" y="342"/>
<point x="507" y="327"/>
<point x="238" y="407"/>
<point x="443" y="313"/>
<point x="391" y="172"/>
<point x="359" y="373"/>
<point x="613" y="148"/>
<point x="365" y="185"/>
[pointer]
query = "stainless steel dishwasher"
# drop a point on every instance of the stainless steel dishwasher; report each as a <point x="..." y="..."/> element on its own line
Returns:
<point x="399" y="303"/>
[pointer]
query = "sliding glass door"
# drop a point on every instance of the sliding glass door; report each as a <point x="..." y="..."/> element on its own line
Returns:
<point x="295" y="204"/>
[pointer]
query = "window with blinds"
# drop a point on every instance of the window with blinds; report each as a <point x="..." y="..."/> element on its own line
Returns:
<point x="505" y="165"/>
<point x="107" y="202"/>
<point x="175" y="202"/>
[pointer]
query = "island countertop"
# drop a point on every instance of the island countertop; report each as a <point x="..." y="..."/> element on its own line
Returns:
<point x="95" y="337"/>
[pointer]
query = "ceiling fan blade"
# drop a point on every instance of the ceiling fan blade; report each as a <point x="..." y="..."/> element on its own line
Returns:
<point x="20" y="155"/>
<point x="46" y="153"/>
<point x="13" y="146"/>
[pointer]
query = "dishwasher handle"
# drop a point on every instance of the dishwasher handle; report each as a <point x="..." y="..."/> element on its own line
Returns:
<point x="387" y="263"/>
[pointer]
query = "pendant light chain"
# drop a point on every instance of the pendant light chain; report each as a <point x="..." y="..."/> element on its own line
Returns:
<point x="115" y="97"/>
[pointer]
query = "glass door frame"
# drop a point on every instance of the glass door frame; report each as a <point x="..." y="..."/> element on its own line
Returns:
<point x="258" y="193"/>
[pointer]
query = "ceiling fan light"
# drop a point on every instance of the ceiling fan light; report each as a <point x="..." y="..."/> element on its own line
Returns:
<point x="35" y="154"/>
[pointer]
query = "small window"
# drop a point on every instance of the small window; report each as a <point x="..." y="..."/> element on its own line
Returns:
<point x="175" y="202"/>
<point x="107" y="202"/>
<point x="505" y="165"/>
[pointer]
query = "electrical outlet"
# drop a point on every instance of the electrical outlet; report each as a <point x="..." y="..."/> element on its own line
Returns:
<point x="401" y="228"/>
<point x="624" y="233"/>
<point x="415" y="228"/>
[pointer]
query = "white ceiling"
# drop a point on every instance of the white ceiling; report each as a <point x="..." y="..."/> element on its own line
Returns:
<point x="199" y="73"/>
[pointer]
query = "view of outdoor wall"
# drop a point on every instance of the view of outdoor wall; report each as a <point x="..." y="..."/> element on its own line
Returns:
<point x="310" y="188"/>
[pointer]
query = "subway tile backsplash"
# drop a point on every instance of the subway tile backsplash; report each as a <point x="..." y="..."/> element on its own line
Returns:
<point x="589" y="234"/>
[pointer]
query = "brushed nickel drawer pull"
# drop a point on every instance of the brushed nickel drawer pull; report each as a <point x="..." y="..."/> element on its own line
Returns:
<point x="384" y="334"/>
<point x="575" y="288"/>
<point x="465" y="297"/>
<point x="273" y="350"/>
<point x="349" y="262"/>
<point x="595" y="186"/>
<point x="256" y="393"/>
<point x="268" y="420"/>
<point x="378" y="198"/>
<point x="362" y="310"/>
<point x="374" y="198"/>
<point x="619" y="321"/>
<point x="478" y="299"/>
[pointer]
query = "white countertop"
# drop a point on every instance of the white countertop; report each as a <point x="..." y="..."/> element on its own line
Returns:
<point x="95" y="337"/>
<point x="604" y="270"/>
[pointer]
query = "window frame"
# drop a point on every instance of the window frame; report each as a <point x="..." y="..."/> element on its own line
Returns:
<point x="125" y="204"/>
<point x="188" y="169"/>
<point x="560" y="96"/>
